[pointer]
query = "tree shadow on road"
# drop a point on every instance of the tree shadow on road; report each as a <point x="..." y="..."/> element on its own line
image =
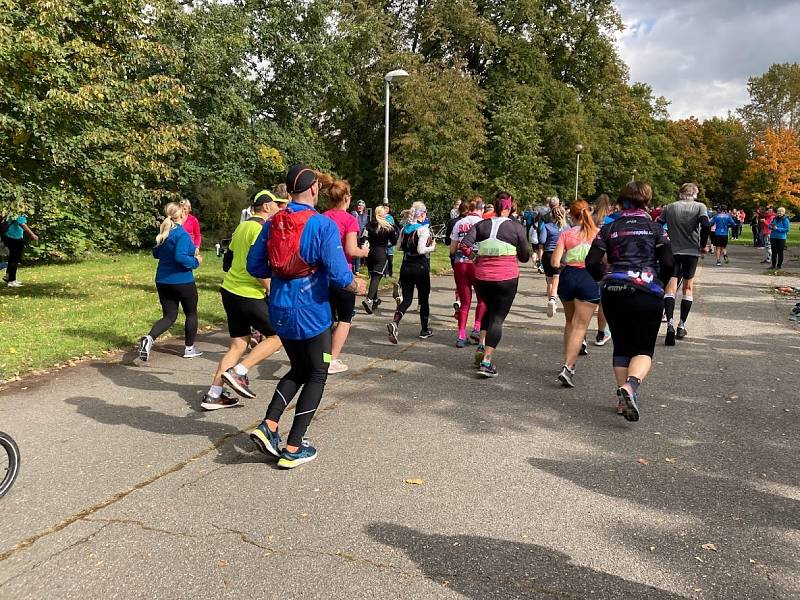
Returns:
<point x="492" y="569"/>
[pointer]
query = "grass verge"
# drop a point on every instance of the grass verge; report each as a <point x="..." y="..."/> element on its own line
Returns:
<point x="66" y="312"/>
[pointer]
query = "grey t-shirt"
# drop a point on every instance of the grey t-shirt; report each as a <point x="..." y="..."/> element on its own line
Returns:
<point x="683" y="225"/>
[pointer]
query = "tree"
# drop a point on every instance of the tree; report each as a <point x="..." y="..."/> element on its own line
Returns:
<point x="774" y="99"/>
<point x="728" y="150"/>
<point x="772" y="176"/>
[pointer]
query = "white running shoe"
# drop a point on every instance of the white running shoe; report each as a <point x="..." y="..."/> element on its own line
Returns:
<point x="337" y="366"/>
<point x="191" y="352"/>
<point x="145" y="345"/>
<point x="15" y="284"/>
<point x="552" y="308"/>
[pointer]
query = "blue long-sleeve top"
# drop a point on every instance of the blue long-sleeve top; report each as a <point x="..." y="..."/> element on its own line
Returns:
<point x="176" y="258"/>
<point x="299" y="308"/>
<point x="779" y="228"/>
<point x="723" y="222"/>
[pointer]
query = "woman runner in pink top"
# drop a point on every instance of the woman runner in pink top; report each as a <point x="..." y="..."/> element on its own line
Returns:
<point x="191" y="224"/>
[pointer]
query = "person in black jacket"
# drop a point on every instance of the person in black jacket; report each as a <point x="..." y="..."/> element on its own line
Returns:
<point x="381" y="234"/>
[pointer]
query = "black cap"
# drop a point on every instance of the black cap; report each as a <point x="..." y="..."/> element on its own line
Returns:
<point x="300" y="178"/>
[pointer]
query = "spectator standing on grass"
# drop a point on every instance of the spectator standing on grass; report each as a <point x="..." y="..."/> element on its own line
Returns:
<point x="765" y="221"/>
<point x="191" y="224"/>
<point x="779" y="229"/>
<point x="14" y="230"/>
<point x="756" y="228"/>
<point x="456" y="210"/>
<point x="177" y="258"/>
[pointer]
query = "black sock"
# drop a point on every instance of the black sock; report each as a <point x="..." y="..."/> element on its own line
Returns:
<point x="634" y="382"/>
<point x="686" y="306"/>
<point x="669" y="307"/>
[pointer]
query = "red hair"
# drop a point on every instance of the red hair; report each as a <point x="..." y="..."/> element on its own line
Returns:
<point x="582" y="216"/>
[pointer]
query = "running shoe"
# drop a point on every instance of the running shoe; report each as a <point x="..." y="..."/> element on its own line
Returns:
<point x="268" y="442"/>
<point x="479" y="355"/>
<point x="367" y="304"/>
<point x="461" y="343"/>
<point x="394" y="330"/>
<point x="726" y="259"/>
<point x="584" y="348"/>
<point x="552" y="309"/>
<point x="15" y="284"/>
<point x="397" y="294"/>
<point x="620" y="403"/>
<point x="487" y="369"/>
<point x="631" y="410"/>
<point x="225" y="400"/>
<point x="566" y="375"/>
<point x="475" y="336"/>
<point x="681" y="332"/>
<point x="145" y="345"/>
<point x="602" y="338"/>
<point x="191" y="352"/>
<point x="239" y="383"/>
<point x="290" y="460"/>
<point x="425" y="334"/>
<point x="337" y="366"/>
<point x="376" y="303"/>
<point x="718" y="264"/>
<point x="540" y="268"/>
<point x="670" y="339"/>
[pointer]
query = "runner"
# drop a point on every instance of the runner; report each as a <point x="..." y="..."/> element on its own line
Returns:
<point x="390" y="248"/>
<point x="177" y="258"/>
<point x="305" y="258"/>
<point x="464" y="274"/>
<point x="245" y="301"/>
<point x="779" y="229"/>
<point x="362" y="218"/>
<point x="603" y="213"/>
<point x="343" y="303"/>
<point x="14" y="230"/>
<point x="416" y="242"/>
<point x="688" y="225"/>
<point x="548" y="238"/>
<point x="765" y="220"/>
<point x="641" y="262"/>
<point x="500" y="243"/>
<point x="191" y="224"/>
<point x="721" y="223"/>
<point x="381" y="235"/>
<point x="577" y="290"/>
<point x="463" y="209"/>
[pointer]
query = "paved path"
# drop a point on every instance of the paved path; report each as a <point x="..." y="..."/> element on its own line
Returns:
<point x="530" y="490"/>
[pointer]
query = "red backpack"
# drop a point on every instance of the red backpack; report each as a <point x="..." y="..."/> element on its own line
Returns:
<point x="283" y="247"/>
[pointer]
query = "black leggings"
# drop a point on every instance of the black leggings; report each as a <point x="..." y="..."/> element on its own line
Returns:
<point x="498" y="297"/>
<point x="374" y="282"/>
<point x="415" y="274"/>
<point x="778" y="246"/>
<point x="634" y="318"/>
<point x="171" y="295"/>
<point x="309" y="360"/>
<point x="14" y="256"/>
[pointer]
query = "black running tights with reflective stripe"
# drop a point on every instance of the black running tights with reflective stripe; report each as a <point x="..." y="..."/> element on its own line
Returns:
<point x="415" y="273"/>
<point x="171" y="296"/>
<point x="309" y="360"/>
<point x="498" y="297"/>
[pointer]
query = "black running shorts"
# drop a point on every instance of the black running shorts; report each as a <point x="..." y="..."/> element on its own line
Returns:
<point x="719" y="241"/>
<point x="246" y="313"/>
<point x="685" y="266"/>
<point x="343" y="305"/>
<point x="548" y="269"/>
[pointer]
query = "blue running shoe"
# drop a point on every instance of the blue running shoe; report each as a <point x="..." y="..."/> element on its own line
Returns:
<point x="461" y="343"/>
<point x="479" y="355"/>
<point x="487" y="370"/>
<point x="631" y="410"/>
<point x="265" y="440"/>
<point x="290" y="460"/>
<point x="475" y="336"/>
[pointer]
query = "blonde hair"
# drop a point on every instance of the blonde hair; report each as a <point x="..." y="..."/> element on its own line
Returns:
<point x="558" y="216"/>
<point x="380" y="217"/>
<point x="172" y="212"/>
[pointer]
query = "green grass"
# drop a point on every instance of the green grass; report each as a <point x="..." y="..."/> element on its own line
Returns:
<point x="793" y="239"/>
<point x="68" y="311"/>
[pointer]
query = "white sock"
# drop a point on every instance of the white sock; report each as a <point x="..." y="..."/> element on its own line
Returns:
<point x="215" y="391"/>
<point x="240" y="370"/>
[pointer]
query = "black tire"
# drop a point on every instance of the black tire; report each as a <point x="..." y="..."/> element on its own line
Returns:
<point x="10" y="471"/>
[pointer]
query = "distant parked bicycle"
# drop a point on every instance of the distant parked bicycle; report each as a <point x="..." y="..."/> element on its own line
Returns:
<point x="9" y="465"/>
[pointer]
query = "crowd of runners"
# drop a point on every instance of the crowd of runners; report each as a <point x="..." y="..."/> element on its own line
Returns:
<point x="292" y="277"/>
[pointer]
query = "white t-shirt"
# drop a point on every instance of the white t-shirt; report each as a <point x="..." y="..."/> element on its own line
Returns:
<point x="460" y="229"/>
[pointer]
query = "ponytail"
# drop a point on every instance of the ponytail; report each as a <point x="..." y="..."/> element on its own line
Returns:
<point x="172" y="211"/>
<point x="582" y="216"/>
<point x="335" y="189"/>
<point x="380" y="218"/>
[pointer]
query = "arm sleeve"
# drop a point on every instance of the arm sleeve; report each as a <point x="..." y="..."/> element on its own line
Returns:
<point x="542" y="234"/>
<point x="257" y="260"/>
<point x="423" y="235"/>
<point x="185" y="253"/>
<point x="332" y="257"/>
<point x="705" y="228"/>
<point x="594" y="261"/>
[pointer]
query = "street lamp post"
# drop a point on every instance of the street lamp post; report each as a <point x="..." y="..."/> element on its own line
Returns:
<point x="633" y="176"/>
<point x="388" y="78"/>
<point x="578" y="150"/>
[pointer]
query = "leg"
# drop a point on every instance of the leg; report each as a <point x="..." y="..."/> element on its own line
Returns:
<point x="339" y="338"/>
<point x="579" y="324"/>
<point x="317" y="358"/>
<point x="236" y="350"/>
<point x="569" y="312"/>
<point x="169" y="308"/>
<point x="503" y="298"/>
<point x="424" y="289"/>
<point x="189" y="304"/>
<point x="342" y="305"/>
<point x="407" y="285"/>
<point x="464" y="292"/>
<point x="374" y="284"/>
<point x="262" y="351"/>
<point x="687" y="300"/>
<point x="290" y="383"/>
<point x="14" y="257"/>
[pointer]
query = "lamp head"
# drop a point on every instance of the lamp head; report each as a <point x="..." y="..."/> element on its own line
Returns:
<point x="578" y="148"/>
<point x="395" y="75"/>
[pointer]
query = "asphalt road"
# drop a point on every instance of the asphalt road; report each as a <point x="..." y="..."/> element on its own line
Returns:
<point x="527" y="490"/>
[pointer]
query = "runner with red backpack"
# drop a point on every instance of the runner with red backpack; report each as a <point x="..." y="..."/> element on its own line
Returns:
<point x="302" y="252"/>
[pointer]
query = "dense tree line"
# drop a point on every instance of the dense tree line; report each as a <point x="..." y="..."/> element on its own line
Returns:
<point x="110" y="107"/>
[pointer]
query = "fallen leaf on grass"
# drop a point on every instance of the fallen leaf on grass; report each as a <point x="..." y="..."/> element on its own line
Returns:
<point x="414" y="481"/>
<point x="643" y="461"/>
<point x="709" y="547"/>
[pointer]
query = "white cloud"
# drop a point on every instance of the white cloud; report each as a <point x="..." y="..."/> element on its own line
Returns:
<point x="699" y="54"/>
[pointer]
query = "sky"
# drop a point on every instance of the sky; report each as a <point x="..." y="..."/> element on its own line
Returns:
<point x="699" y="53"/>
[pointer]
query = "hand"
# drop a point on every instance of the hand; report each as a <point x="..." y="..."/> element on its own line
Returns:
<point x="34" y="237"/>
<point x="361" y="286"/>
<point x="199" y="258"/>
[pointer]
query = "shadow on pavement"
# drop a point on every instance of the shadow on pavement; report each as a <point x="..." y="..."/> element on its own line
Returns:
<point x="491" y="569"/>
